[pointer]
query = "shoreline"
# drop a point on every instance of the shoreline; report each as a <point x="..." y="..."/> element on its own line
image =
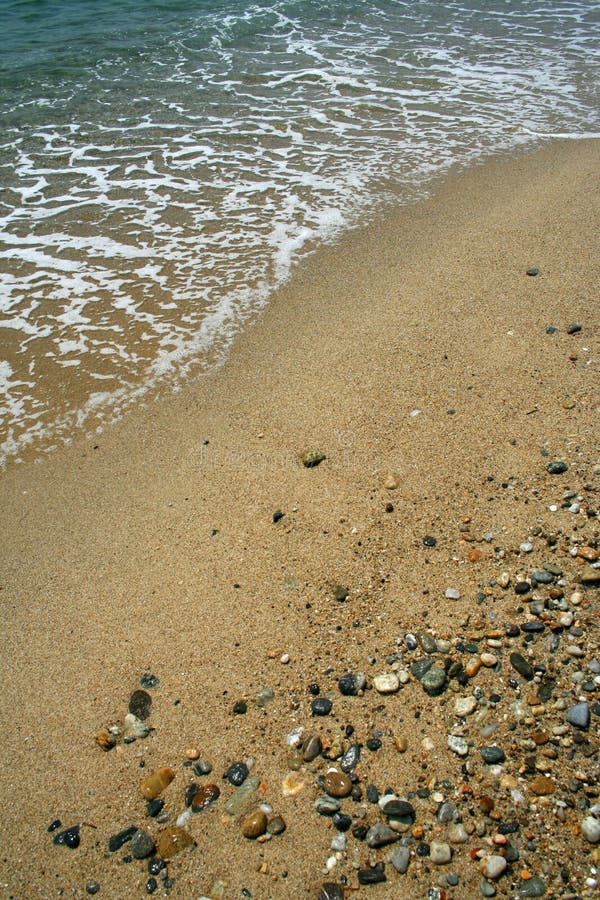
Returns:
<point x="413" y="352"/>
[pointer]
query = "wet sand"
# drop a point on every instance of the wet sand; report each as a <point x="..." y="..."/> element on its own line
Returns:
<point x="414" y="354"/>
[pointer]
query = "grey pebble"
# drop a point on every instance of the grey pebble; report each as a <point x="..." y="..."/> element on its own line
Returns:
<point x="590" y="829"/>
<point x="142" y="845"/>
<point x="486" y="888"/>
<point x="493" y="755"/>
<point x="520" y="664"/>
<point x="533" y="887"/>
<point x="579" y="715"/>
<point x="351" y="683"/>
<point x="399" y="857"/>
<point x="434" y="680"/>
<point x="380" y="834"/>
<point x="92" y="887"/>
<point x="327" y="806"/>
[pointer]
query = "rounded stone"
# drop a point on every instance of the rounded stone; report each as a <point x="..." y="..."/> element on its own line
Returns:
<point x="492" y="866"/>
<point x="400" y="810"/>
<point x="399" y="857"/>
<point x="464" y="706"/>
<point x="254" y="824"/>
<point x="70" y="837"/>
<point x="155" y="783"/>
<point x="557" y="467"/>
<point x="311" y="747"/>
<point x="321" y="706"/>
<point x="388" y="683"/>
<point x="590" y="829"/>
<point x="458" y="745"/>
<point x="134" y="728"/>
<point x="237" y="773"/>
<point x="276" y="825"/>
<point x="380" y="835"/>
<point x="433" y="681"/>
<point x="350" y="759"/>
<point x="204" y="796"/>
<point x="331" y="891"/>
<point x="579" y="715"/>
<point x="92" y="887"/>
<point x="142" y="845"/>
<point x="172" y="841"/>
<point x="351" y="683"/>
<point x="520" y="664"/>
<point x="493" y="755"/>
<point x="440" y="853"/>
<point x="532" y="887"/>
<point x="337" y="784"/>
<point x="312" y="458"/>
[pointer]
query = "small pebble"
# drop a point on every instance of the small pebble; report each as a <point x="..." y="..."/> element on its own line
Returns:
<point x="440" y="853"/>
<point x="579" y="715"/>
<point x="142" y="845"/>
<point x="351" y="683"/>
<point x="140" y="704"/>
<point x="92" y="887"/>
<point x="492" y="866"/>
<point x="399" y="857"/>
<point x="70" y="837"/>
<point x="388" y="683"/>
<point x="254" y="824"/>
<point x="237" y="773"/>
<point x="374" y="875"/>
<point x="322" y="706"/>
<point x="590" y="829"/>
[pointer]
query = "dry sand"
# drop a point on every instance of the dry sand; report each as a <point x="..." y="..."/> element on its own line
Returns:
<point x="153" y="548"/>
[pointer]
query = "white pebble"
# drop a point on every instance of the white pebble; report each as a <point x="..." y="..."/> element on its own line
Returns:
<point x="285" y="658"/>
<point x="184" y="818"/>
<point x="452" y="594"/>
<point x="526" y="547"/>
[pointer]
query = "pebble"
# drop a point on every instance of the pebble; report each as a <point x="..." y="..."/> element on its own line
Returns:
<point x="574" y="328"/>
<point x="457" y="834"/>
<point x="399" y="857"/>
<point x="142" y="845"/>
<point x="149" y="681"/>
<point x="337" y="784"/>
<point x="154" y="807"/>
<point x="579" y="715"/>
<point x="338" y="843"/>
<point x="542" y="786"/>
<point x="350" y="758"/>
<point x="557" y="467"/>
<point x="312" y="458"/>
<point x="154" y="784"/>
<point x="532" y="887"/>
<point x="70" y="837"/>
<point x="380" y="834"/>
<point x="352" y="683"/>
<point x="464" y="706"/>
<point x="331" y="891"/>
<point x="340" y="593"/>
<point x="312" y="747"/>
<point x="401" y="810"/>
<point x="92" y="887"/>
<point x="121" y="838"/>
<point x="486" y="888"/>
<point x="520" y="664"/>
<point x="321" y="706"/>
<point x="204" y="796"/>
<point x="277" y="825"/>
<point x="172" y="841"/>
<point x="135" y="728"/>
<point x="492" y="866"/>
<point x="105" y="739"/>
<point x="489" y="660"/>
<point x="434" y="680"/>
<point x="237" y="773"/>
<point x="241" y="798"/>
<point x="254" y="824"/>
<point x="440" y="853"/>
<point x="590" y="829"/>
<point x="458" y="745"/>
<point x="140" y="704"/>
<point x="327" y="806"/>
<point x="374" y="875"/>
<point x="452" y="594"/>
<point x="388" y="683"/>
<point x="493" y="755"/>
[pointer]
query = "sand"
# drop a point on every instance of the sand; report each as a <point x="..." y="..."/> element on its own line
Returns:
<point x="415" y="349"/>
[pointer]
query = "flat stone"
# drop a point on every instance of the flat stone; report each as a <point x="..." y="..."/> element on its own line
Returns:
<point x="557" y="467"/>
<point x="140" y="704"/>
<point x="532" y="887"/>
<point x="388" y="683"/>
<point x="579" y="715"/>
<point x="337" y="784"/>
<point x="321" y="706"/>
<point x="350" y="684"/>
<point x="116" y="841"/>
<point x="590" y="829"/>
<point x="311" y="747"/>
<point x="542" y="786"/>
<point x="331" y="891"/>
<point x="374" y="875"/>
<point x="240" y="799"/>
<point x="350" y="759"/>
<point x="380" y="834"/>
<point x="452" y="594"/>
<point x="492" y="866"/>
<point x="327" y="806"/>
<point x="254" y="824"/>
<point x="400" y="810"/>
<point x="142" y="845"/>
<point x="464" y="706"/>
<point x="520" y="664"/>
<point x="399" y="857"/>
<point x="487" y="889"/>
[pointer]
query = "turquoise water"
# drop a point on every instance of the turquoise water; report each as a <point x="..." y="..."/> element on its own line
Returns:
<point x="165" y="165"/>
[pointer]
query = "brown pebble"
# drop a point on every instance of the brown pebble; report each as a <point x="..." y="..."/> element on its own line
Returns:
<point x="311" y="747"/>
<point x="401" y="744"/>
<point x="336" y="784"/>
<point x="154" y="784"/>
<point x="540" y="737"/>
<point x="588" y="553"/>
<point x="473" y="666"/>
<point x="204" y="796"/>
<point x="542" y="786"/>
<point x="106" y="740"/>
<point x="192" y="753"/>
<point x="172" y="841"/>
<point x="255" y="824"/>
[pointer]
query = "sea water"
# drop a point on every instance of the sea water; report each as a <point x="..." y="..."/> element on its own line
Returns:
<point x="164" y="164"/>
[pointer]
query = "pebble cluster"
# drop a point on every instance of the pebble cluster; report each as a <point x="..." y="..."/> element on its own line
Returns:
<point x="494" y="804"/>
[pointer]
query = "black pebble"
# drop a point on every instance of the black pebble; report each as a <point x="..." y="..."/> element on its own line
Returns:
<point x="278" y="516"/>
<point x="154" y="807"/>
<point x="237" y="773"/>
<point x="372" y="794"/>
<point x="551" y="329"/>
<point x="508" y="827"/>
<point x="374" y="744"/>
<point x="341" y="821"/>
<point x="118" y="840"/>
<point x="322" y="706"/>
<point x="54" y="825"/>
<point x="533" y="271"/>
<point x="557" y="467"/>
<point x="522" y="587"/>
<point x="140" y="704"/>
<point x="92" y="887"/>
<point x="518" y="662"/>
<point x="423" y="849"/>
<point x="69" y="837"/>
<point x="376" y="875"/>
<point x="314" y="689"/>
<point x="151" y="885"/>
<point x="399" y="809"/>
<point x="149" y="681"/>
<point x="493" y="755"/>
<point x="429" y="540"/>
<point x="573" y="328"/>
<point x="389" y="507"/>
<point x="156" y="865"/>
<point x="240" y="708"/>
<point x="533" y="627"/>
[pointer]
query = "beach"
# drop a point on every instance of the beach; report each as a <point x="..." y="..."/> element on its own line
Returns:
<point x="189" y="542"/>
